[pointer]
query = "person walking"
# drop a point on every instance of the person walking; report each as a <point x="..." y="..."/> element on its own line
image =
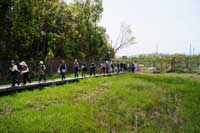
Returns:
<point x="92" y="69"/>
<point x="14" y="73"/>
<point x="128" y="67"/>
<point x="41" y="70"/>
<point x="62" y="69"/>
<point x="112" y="67"/>
<point x="133" y="67"/>
<point x="25" y="72"/>
<point x="107" y="67"/>
<point x="83" y="70"/>
<point x="125" y="67"/>
<point x="103" y="68"/>
<point x="76" y="68"/>
<point x="118" y="67"/>
<point x="121" y="67"/>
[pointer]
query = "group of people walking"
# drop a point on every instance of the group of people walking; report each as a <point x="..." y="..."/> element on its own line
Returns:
<point x="105" y="68"/>
<point x="62" y="69"/>
<point x="110" y="67"/>
<point x="21" y="70"/>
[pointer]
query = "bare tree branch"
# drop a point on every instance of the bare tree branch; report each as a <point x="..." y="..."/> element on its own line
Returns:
<point x="125" y="38"/>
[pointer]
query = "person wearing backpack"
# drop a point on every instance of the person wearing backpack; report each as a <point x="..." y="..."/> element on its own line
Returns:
<point x="14" y="73"/>
<point x="83" y="70"/>
<point x="92" y="69"/>
<point x="25" y="72"/>
<point x="62" y="69"/>
<point x="76" y="67"/>
<point x="41" y="70"/>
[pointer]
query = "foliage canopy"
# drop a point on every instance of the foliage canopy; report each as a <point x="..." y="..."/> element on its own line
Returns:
<point x="45" y="29"/>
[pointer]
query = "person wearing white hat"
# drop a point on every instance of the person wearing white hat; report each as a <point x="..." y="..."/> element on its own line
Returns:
<point x="41" y="70"/>
<point x="14" y="72"/>
<point x="25" y="72"/>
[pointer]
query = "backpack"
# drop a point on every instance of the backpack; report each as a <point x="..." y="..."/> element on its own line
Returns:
<point x="43" y="67"/>
<point x="24" y="67"/>
<point x="64" y="66"/>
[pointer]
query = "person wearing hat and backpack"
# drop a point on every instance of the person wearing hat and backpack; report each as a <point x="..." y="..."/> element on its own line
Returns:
<point x="41" y="70"/>
<point x="14" y="73"/>
<point x="25" y="72"/>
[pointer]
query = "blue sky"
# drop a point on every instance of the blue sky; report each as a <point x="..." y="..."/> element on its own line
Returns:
<point x="171" y="24"/>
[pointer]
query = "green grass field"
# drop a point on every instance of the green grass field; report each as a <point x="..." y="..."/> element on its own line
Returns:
<point x="125" y="103"/>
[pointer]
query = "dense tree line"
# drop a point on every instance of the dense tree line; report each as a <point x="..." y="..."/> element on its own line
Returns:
<point x="49" y="29"/>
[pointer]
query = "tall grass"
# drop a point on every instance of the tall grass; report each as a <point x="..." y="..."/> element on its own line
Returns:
<point x="124" y="103"/>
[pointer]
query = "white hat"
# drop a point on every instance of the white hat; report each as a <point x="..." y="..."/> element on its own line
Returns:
<point x="75" y="60"/>
<point x="22" y="63"/>
<point x="41" y="62"/>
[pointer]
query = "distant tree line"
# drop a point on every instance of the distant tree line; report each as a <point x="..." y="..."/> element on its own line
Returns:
<point x="53" y="29"/>
<point x="166" y="62"/>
